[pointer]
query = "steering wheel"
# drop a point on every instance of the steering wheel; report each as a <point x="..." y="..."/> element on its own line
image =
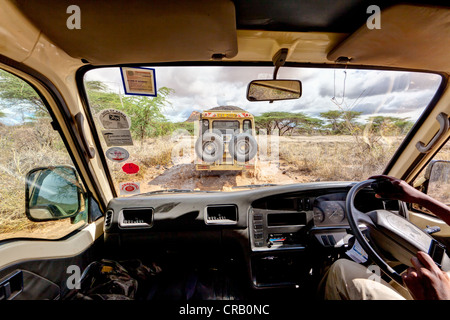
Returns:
<point x="390" y="232"/>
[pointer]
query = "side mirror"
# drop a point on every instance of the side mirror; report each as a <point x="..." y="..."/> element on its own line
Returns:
<point x="438" y="176"/>
<point x="271" y="90"/>
<point x="53" y="193"/>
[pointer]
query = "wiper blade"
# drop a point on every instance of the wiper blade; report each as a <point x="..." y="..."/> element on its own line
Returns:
<point x="170" y="191"/>
<point x="256" y="185"/>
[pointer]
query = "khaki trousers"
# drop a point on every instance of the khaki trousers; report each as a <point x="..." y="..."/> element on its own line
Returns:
<point x="348" y="280"/>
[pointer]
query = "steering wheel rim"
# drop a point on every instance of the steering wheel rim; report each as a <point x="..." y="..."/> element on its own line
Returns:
<point x="354" y="217"/>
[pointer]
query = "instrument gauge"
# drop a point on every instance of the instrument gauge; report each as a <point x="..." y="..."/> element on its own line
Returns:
<point x="334" y="211"/>
<point x="319" y="215"/>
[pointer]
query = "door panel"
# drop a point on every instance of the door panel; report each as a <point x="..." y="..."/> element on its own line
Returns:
<point x="423" y="220"/>
<point x="26" y="285"/>
<point x="44" y="264"/>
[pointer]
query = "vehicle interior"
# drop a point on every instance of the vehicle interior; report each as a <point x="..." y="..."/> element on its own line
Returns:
<point x="267" y="234"/>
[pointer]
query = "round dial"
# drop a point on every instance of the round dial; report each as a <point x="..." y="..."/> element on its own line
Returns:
<point x="334" y="211"/>
<point x="319" y="216"/>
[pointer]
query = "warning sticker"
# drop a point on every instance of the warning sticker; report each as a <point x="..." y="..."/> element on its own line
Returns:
<point x="139" y="81"/>
<point x="114" y="119"/>
<point x="117" y="137"/>
<point x="117" y="154"/>
<point x="127" y="188"/>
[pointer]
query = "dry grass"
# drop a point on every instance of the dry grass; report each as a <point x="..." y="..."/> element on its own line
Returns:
<point x="332" y="158"/>
<point x="23" y="149"/>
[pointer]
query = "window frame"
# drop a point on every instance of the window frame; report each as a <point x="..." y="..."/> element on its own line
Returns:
<point x="81" y="72"/>
<point x="414" y="207"/>
<point x="249" y="125"/>
<point x="23" y="72"/>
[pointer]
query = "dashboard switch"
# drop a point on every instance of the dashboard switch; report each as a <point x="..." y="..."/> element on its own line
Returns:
<point x="257" y="217"/>
<point x="258" y="235"/>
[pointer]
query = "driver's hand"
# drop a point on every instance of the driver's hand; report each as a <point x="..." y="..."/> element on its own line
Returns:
<point x="425" y="281"/>
<point x="397" y="190"/>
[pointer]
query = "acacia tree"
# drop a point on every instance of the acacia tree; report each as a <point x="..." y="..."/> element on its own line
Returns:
<point x="389" y="125"/>
<point x="17" y="95"/>
<point x="146" y="114"/>
<point x="100" y="97"/>
<point x="285" y="122"/>
<point x="342" y="122"/>
<point x="334" y="118"/>
<point x="310" y="125"/>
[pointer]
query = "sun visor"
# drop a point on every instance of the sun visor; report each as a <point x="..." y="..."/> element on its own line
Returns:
<point x="416" y="37"/>
<point x="119" y="32"/>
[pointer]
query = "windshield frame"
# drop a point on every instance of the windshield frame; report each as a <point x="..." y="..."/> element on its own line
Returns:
<point x="81" y="72"/>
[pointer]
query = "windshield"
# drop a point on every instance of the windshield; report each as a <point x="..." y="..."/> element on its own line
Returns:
<point x="193" y="128"/>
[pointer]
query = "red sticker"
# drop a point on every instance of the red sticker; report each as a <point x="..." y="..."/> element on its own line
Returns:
<point x="129" y="188"/>
<point x="130" y="168"/>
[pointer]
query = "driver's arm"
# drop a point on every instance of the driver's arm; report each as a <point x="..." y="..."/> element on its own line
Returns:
<point x="424" y="280"/>
<point x="435" y="206"/>
<point x="402" y="191"/>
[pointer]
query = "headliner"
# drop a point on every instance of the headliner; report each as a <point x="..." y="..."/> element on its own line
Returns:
<point x="124" y="32"/>
<point x="341" y="16"/>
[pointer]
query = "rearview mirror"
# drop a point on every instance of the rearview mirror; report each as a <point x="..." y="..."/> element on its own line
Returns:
<point x="438" y="176"/>
<point x="271" y="90"/>
<point x="53" y="193"/>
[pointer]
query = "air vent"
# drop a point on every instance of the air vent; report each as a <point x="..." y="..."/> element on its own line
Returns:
<point x="108" y="218"/>
<point x="221" y="214"/>
<point x="136" y="218"/>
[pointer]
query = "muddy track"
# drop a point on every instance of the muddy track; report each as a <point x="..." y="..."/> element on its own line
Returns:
<point x="184" y="176"/>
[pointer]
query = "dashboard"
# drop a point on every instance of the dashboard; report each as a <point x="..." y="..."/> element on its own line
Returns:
<point x="275" y="227"/>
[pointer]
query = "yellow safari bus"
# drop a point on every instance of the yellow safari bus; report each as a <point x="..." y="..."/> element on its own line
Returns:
<point x="226" y="140"/>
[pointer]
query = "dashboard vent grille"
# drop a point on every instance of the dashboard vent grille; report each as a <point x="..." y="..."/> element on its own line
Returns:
<point x="221" y="214"/>
<point x="136" y="218"/>
<point x="108" y="218"/>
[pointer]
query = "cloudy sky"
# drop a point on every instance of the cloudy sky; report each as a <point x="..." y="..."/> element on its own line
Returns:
<point x="373" y="92"/>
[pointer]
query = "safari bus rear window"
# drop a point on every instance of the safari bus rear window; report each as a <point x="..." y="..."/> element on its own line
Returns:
<point x="225" y="126"/>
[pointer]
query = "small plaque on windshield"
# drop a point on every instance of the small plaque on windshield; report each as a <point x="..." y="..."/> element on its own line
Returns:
<point x="117" y="137"/>
<point x="139" y="81"/>
<point x="127" y="188"/>
<point x="117" y="154"/>
<point x="114" y="119"/>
